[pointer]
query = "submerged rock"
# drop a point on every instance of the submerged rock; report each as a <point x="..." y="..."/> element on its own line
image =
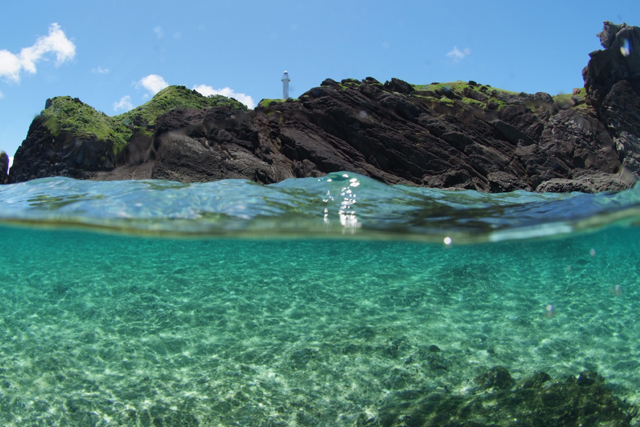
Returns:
<point x="500" y="401"/>
<point x="496" y="377"/>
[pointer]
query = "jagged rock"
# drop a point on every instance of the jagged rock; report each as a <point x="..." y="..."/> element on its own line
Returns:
<point x="456" y="135"/>
<point x="195" y="147"/>
<point x="329" y="82"/>
<point x="620" y="110"/>
<point x="470" y="93"/>
<point x="4" y="167"/>
<point x="612" y="83"/>
<point x="619" y="61"/>
<point x="400" y="86"/>
<point x="588" y="183"/>
<point x="608" y="34"/>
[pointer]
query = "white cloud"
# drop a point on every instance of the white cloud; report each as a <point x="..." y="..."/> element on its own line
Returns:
<point x="456" y="55"/>
<point x="1" y="95"/>
<point x="153" y="83"/>
<point x="100" y="70"/>
<point x="10" y="162"/>
<point x="123" y="104"/>
<point x="228" y="92"/>
<point x="11" y="65"/>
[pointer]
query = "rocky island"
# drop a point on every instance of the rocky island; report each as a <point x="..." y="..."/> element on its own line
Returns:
<point x="460" y="135"/>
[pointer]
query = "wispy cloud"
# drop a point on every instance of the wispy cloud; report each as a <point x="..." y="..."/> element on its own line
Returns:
<point x="159" y="32"/>
<point x="457" y="55"/>
<point x="124" y="104"/>
<point x="11" y="65"/>
<point x="228" y="92"/>
<point x="1" y="95"/>
<point x="100" y="70"/>
<point x="153" y="83"/>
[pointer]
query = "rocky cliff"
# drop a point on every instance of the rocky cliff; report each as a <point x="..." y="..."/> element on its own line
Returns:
<point x="4" y="167"/>
<point x="460" y="135"/>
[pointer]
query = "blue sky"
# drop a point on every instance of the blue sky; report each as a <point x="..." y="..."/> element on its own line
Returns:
<point x="113" y="54"/>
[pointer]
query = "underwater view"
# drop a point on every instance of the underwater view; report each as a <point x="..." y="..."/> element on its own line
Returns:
<point x="335" y="301"/>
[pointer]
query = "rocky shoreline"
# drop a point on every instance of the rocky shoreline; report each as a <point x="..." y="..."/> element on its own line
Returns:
<point x="460" y="135"/>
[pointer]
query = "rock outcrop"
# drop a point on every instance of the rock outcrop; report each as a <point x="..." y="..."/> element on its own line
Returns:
<point x="4" y="167"/>
<point x="460" y="135"/>
<point x="612" y="83"/>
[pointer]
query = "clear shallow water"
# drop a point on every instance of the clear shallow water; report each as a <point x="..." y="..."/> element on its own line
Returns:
<point x="333" y="206"/>
<point x="106" y="329"/>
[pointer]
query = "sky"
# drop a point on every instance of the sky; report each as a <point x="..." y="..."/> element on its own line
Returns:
<point x="115" y="54"/>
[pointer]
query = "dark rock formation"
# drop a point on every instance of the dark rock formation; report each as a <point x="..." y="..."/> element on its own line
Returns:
<point x="4" y="167"/>
<point x="500" y="401"/>
<point x="44" y="154"/>
<point x="620" y="60"/>
<point x="612" y="83"/>
<point x="457" y="135"/>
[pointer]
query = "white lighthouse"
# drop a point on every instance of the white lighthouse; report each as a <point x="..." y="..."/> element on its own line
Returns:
<point x="285" y="86"/>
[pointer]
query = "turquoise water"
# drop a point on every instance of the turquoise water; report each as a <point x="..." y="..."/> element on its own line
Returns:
<point x="195" y="329"/>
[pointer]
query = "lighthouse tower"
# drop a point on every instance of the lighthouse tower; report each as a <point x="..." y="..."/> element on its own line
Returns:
<point x="285" y="86"/>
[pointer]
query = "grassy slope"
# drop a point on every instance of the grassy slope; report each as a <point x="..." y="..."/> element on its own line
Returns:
<point x="71" y="115"/>
<point x="495" y="95"/>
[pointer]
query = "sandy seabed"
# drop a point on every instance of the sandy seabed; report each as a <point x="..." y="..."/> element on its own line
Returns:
<point x="99" y="330"/>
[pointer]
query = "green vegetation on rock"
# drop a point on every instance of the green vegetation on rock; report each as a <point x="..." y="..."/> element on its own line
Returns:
<point x="458" y="87"/>
<point x="445" y="93"/>
<point x="485" y="97"/>
<point x="176" y="97"/>
<point x="575" y="100"/>
<point x="268" y="102"/>
<point x="71" y="115"/>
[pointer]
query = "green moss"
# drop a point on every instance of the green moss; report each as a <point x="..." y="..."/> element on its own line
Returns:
<point x="53" y="125"/>
<point x="473" y="102"/>
<point x="428" y="98"/>
<point x="447" y="101"/>
<point x="501" y="103"/>
<point x="562" y="98"/>
<point x="271" y="101"/>
<point x="580" y="92"/>
<point x="350" y="84"/>
<point x="459" y="86"/>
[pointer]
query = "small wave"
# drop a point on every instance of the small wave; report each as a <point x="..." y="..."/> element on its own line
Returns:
<point x="338" y="205"/>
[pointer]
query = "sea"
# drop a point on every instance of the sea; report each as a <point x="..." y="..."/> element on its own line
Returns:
<point x="310" y="302"/>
